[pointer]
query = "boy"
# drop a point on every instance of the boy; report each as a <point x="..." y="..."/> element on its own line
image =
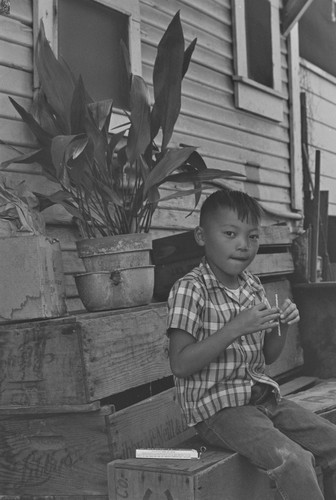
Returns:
<point x="222" y="333"/>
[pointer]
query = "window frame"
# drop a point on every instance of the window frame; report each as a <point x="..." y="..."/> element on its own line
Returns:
<point x="250" y="95"/>
<point x="47" y="10"/>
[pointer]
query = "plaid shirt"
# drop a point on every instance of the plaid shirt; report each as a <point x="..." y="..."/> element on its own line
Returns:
<point x="200" y="305"/>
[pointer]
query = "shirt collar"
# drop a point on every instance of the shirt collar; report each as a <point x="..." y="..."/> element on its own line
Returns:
<point x="247" y="281"/>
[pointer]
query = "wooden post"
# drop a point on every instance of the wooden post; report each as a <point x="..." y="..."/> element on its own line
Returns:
<point x="315" y="218"/>
<point x="292" y="12"/>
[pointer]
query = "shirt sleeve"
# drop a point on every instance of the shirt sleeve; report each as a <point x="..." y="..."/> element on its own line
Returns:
<point x="185" y="304"/>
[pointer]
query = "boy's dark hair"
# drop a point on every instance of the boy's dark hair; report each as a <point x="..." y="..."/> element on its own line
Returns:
<point x="247" y="208"/>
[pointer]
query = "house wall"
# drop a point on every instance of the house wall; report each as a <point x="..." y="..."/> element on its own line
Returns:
<point x="226" y="137"/>
<point x="320" y="90"/>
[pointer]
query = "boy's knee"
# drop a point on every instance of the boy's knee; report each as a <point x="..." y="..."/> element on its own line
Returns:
<point x="289" y="459"/>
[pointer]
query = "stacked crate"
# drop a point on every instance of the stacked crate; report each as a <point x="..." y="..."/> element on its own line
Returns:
<point x="56" y="439"/>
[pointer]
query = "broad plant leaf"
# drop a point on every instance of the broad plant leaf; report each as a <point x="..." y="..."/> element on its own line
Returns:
<point x="187" y="56"/>
<point x="78" y="109"/>
<point x="59" y="198"/>
<point x="167" y="77"/>
<point x="56" y="80"/>
<point x="44" y="115"/>
<point x="43" y="137"/>
<point x="139" y="135"/>
<point x="126" y="59"/>
<point x="172" y="159"/>
<point x="101" y="113"/>
<point x="63" y="148"/>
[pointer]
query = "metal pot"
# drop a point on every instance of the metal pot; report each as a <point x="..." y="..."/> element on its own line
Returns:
<point x="116" y="289"/>
<point x="115" y="252"/>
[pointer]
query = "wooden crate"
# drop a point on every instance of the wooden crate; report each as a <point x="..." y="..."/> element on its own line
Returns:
<point x="54" y="497"/>
<point x="41" y="364"/>
<point x="83" y="358"/>
<point x="176" y="255"/>
<point x="217" y="475"/>
<point x="55" y="454"/>
<point x="31" y="276"/>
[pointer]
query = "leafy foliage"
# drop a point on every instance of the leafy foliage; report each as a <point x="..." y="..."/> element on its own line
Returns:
<point x="110" y="181"/>
<point x="20" y="208"/>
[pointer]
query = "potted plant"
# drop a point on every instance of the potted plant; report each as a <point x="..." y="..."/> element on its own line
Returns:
<point x="31" y="270"/>
<point x="110" y="181"/>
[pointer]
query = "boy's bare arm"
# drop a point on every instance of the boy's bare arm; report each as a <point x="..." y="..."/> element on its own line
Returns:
<point x="274" y="343"/>
<point x="187" y="356"/>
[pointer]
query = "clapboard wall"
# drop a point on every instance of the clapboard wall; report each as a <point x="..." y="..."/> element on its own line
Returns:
<point x="320" y="90"/>
<point x="226" y="137"/>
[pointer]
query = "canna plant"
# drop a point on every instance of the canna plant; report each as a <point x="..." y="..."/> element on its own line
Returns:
<point x="110" y="181"/>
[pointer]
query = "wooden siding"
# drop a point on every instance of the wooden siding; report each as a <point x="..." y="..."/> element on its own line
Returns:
<point x="227" y="138"/>
<point x="320" y="89"/>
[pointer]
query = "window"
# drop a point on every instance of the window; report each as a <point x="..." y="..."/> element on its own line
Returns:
<point x="257" y="78"/>
<point x="87" y="34"/>
<point x="317" y="35"/>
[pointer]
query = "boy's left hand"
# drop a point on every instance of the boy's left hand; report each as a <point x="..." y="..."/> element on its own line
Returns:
<point x="289" y="313"/>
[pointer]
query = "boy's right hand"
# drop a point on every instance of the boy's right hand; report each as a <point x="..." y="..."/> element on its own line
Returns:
<point x="256" y="318"/>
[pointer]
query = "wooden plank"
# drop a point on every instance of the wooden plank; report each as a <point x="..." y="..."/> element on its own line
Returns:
<point x="295" y="119"/>
<point x="320" y="398"/>
<point x="271" y="264"/>
<point x="16" y="82"/>
<point x="41" y="365"/>
<point x="216" y="472"/>
<point x="24" y="411"/>
<point x="321" y="109"/>
<point x="159" y="423"/>
<point x="55" y="455"/>
<point x="13" y="31"/>
<point x="17" y="56"/>
<point x="54" y="497"/>
<point x="219" y="131"/>
<point x="7" y="110"/>
<point x="114" y="341"/>
<point x="15" y="132"/>
<point x="22" y="10"/>
<point x="292" y="11"/>
<point x="219" y="14"/>
<point x="297" y="384"/>
<point x="263" y="265"/>
<point x="171" y="249"/>
<point x="318" y="82"/>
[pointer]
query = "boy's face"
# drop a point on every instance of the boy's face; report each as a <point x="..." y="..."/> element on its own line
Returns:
<point x="230" y="244"/>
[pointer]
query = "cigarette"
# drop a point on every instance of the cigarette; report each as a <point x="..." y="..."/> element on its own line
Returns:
<point x="277" y="305"/>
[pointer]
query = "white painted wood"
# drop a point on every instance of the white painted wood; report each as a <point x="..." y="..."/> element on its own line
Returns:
<point x="16" y="82"/>
<point x="292" y="12"/>
<point x="47" y="10"/>
<point x="15" y="56"/>
<point x="295" y="120"/>
<point x="249" y="95"/>
<point x="13" y="31"/>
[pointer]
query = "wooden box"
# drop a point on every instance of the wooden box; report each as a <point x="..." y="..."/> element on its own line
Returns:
<point x="176" y="255"/>
<point x="216" y="475"/>
<point x="31" y="276"/>
<point x="87" y="357"/>
<point x="55" y="454"/>
<point x="83" y="358"/>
